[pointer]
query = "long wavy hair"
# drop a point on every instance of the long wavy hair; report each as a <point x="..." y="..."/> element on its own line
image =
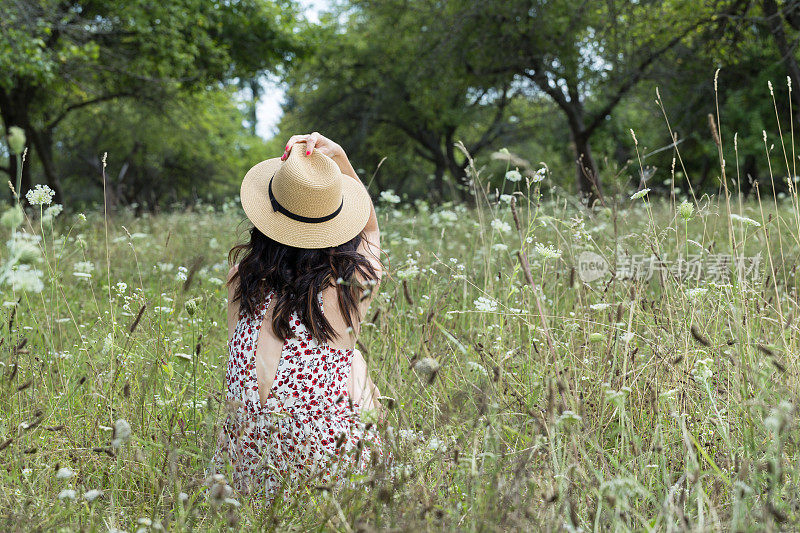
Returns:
<point x="297" y="276"/>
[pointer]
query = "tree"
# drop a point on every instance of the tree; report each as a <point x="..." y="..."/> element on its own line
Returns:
<point x="388" y="75"/>
<point x="586" y="56"/>
<point x="57" y="57"/>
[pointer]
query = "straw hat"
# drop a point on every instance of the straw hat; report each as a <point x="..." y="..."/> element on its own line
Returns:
<point x="305" y="201"/>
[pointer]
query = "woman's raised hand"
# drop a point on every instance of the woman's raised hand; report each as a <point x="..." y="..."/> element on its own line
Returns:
<point x="314" y="141"/>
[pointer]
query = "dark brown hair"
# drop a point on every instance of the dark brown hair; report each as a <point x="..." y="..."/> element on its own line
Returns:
<point x="297" y="276"/>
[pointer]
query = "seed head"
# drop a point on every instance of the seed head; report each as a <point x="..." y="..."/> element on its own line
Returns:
<point x="686" y="210"/>
<point x="122" y="433"/>
<point x="16" y="140"/>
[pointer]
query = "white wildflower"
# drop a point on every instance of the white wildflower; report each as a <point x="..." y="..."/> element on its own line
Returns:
<point x="513" y="176"/>
<point x="506" y="198"/>
<point x="24" y="278"/>
<point x="446" y="215"/>
<point x="410" y="271"/>
<point x="547" y="251"/>
<point x="639" y="194"/>
<point x="435" y="444"/>
<point x="499" y="247"/>
<point x="83" y="269"/>
<point x="24" y="248"/>
<point x="485" y="305"/>
<point x="121" y="287"/>
<point x="696" y="293"/>
<point x="703" y="369"/>
<point x="40" y="195"/>
<point x="389" y="197"/>
<point x="500" y="225"/>
<point x="599" y="307"/>
<point x="52" y="212"/>
<point x="182" y="274"/>
<point x="569" y="416"/>
<point x="12" y="217"/>
<point x="539" y="175"/>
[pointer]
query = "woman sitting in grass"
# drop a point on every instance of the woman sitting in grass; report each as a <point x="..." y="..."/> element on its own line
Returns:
<point x="305" y="279"/>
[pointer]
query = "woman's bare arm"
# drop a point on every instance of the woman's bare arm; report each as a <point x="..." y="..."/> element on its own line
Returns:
<point x="233" y="307"/>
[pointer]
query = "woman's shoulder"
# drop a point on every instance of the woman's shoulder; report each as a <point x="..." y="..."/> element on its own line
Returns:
<point x="370" y="248"/>
<point x="232" y="272"/>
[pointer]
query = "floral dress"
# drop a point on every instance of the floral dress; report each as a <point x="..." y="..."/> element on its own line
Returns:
<point x="308" y="432"/>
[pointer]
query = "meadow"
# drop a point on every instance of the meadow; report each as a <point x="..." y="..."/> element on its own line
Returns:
<point x="521" y="393"/>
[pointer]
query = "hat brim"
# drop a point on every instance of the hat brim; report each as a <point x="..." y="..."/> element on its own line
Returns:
<point x="351" y="220"/>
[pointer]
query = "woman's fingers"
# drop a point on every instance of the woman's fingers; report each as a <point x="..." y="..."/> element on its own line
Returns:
<point x="311" y="142"/>
<point x="288" y="147"/>
<point x="294" y="139"/>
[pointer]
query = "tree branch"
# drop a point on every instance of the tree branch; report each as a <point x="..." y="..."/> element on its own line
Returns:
<point x="491" y="132"/>
<point x="85" y="103"/>
<point x="631" y="81"/>
<point x="569" y="108"/>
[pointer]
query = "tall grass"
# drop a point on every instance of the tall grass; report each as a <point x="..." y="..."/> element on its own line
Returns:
<point x="520" y="396"/>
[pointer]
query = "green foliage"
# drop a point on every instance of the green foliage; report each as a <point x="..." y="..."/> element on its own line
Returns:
<point x="189" y="148"/>
<point x="59" y="57"/>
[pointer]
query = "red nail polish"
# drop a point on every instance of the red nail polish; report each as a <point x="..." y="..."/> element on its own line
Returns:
<point x="308" y="152"/>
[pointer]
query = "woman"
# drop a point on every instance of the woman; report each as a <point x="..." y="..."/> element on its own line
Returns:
<point x="296" y="385"/>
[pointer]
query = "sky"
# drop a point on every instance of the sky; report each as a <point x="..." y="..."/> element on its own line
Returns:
<point x="268" y="110"/>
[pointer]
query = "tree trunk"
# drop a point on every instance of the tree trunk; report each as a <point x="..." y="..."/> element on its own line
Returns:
<point x="42" y="141"/>
<point x="438" y="180"/>
<point x="252" y="107"/>
<point x="13" y="111"/>
<point x="456" y="170"/>
<point x="14" y="108"/>
<point x="749" y="175"/>
<point x="587" y="177"/>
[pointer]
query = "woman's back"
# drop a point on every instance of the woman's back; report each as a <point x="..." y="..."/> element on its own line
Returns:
<point x="304" y="425"/>
<point x="269" y="350"/>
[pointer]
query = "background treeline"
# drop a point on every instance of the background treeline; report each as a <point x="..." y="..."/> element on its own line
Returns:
<point x="169" y="90"/>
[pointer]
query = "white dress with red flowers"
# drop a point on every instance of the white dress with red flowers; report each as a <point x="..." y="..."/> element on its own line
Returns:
<point x="308" y="432"/>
